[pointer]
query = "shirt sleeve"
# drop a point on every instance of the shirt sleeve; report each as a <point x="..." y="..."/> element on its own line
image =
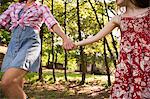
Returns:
<point x="48" y="18"/>
<point x="5" y="17"/>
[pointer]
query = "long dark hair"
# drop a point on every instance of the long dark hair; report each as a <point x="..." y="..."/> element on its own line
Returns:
<point x="141" y="3"/>
<point x="23" y="0"/>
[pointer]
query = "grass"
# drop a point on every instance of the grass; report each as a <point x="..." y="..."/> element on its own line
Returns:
<point x="95" y="86"/>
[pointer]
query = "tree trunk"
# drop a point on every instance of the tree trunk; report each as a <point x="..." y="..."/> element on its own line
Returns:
<point x="81" y="48"/>
<point x="53" y="48"/>
<point x="56" y="56"/>
<point x="40" y="69"/>
<point x="105" y="56"/>
<point x="66" y="59"/>
<point x="106" y="63"/>
<point x="48" y="60"/>
<point x="113" y="40"/>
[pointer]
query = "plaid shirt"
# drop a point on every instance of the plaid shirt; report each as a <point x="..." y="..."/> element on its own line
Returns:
<point x="33" y="16"/>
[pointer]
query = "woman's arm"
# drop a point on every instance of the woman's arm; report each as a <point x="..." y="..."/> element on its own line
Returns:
<point x="5" y="17"/>
<point x="107" y="29"/>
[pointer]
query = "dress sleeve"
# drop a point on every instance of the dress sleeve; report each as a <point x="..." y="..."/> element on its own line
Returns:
<point x="48" y="18"/>
<point x="5" y="17"/>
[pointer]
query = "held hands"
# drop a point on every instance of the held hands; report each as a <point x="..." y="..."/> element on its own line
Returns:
<point x="68" y="44"/>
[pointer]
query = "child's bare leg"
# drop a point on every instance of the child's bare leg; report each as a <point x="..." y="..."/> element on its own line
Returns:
<point x="21" y="83"/>
<point x="11" y="83"/>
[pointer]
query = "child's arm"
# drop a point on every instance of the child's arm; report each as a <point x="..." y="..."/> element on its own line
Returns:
<point x="107" y="29"/>
<point x="5" y="17"/>
<point x="54" y="26"/>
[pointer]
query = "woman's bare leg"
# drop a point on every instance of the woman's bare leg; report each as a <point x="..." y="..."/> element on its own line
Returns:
<point x="11" y="83"/>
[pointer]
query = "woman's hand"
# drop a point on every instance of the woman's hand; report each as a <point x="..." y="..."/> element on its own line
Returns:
<point x="68" y="44"/>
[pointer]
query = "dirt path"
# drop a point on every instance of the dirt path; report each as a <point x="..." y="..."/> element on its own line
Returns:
<point x="64" y="90"/>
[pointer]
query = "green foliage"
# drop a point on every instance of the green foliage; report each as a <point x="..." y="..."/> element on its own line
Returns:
<point x="5" y="36"/>
<point x="89" y="27"/>
<point x="64" y="89"/>
<point x="1" y="75"/>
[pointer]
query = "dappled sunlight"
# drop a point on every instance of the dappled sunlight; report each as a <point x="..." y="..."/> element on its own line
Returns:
<point x="68" y="90"/>
<point x="92" y="89"/>
<point x="95" y="86"/>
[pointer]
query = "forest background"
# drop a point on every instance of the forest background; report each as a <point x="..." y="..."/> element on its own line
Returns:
<point x="79" y="19"/>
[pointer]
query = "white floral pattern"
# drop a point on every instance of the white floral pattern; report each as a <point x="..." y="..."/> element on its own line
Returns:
<point x="132" y="77"/>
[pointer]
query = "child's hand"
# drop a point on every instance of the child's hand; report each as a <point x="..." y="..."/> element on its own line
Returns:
<point x="68" y="44"/>
<point x="71" y="48"/>
<point x="74" y="47"/>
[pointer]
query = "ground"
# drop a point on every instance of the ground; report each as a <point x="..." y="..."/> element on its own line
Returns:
<point x="66" y="91"/>
<point x="95" y="87"/>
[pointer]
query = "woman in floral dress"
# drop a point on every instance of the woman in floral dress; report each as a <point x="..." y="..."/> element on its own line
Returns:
<point x="132" y="76"/>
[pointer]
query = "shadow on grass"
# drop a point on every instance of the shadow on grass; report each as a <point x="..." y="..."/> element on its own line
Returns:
<point x="65" y="91"/>
<point x="92" y="89"/>
<point x="58" y="91"/>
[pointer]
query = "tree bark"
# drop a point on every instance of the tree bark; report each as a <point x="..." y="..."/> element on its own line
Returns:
<point x="106" y="63"/>
<point x="40" y="69"/>
<point x="81" y="48"/>
<point x="113" y="40"/>
<point x="66" y="59"/>
<point x="53" y="48"/>
<point x="105" y="55"/>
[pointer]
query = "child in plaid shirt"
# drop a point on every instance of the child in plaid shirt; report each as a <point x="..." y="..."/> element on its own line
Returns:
<point x="24" y="20"/>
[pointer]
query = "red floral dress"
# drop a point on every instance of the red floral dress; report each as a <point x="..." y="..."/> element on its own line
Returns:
<point x="132" y="77"/>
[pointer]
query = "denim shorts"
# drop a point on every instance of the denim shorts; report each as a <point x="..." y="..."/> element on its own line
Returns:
<point x="23" y="50"/>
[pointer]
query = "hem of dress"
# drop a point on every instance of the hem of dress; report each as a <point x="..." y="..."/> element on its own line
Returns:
<point x="4" y="70"/>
